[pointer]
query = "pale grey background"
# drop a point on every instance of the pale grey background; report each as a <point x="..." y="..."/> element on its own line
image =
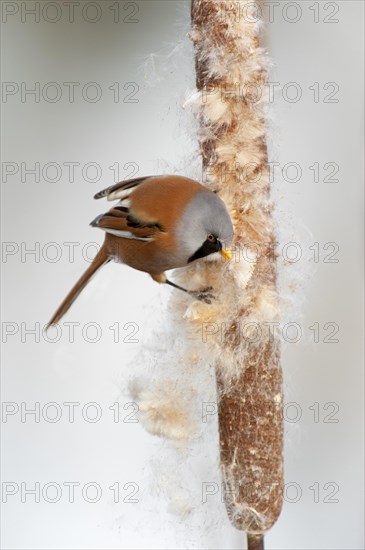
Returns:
<point x="149" y="133"/>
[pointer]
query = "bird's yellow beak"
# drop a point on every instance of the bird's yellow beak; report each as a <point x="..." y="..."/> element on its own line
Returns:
<point x="227" y="254"/>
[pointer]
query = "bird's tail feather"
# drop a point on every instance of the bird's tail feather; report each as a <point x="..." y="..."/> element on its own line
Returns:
<point x="100" y="259"/>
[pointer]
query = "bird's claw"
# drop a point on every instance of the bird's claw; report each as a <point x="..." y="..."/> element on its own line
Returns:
<point x="204" y="294"/>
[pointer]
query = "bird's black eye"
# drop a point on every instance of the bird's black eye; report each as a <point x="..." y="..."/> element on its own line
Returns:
<point x="211" y="238"/>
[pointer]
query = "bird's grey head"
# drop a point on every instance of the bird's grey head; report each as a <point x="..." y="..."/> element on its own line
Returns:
<point x="205" y="227"/>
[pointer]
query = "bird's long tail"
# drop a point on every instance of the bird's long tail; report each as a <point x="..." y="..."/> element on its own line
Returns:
<point x="100" y="259"/>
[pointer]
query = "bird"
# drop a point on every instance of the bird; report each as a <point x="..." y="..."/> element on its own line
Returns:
<point x="159" y="223"/>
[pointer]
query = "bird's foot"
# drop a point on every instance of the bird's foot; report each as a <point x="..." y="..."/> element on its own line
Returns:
<point x="204" y="294"/>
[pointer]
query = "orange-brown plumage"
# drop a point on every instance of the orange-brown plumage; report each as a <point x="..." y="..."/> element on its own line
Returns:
<point x="159" y="223"/>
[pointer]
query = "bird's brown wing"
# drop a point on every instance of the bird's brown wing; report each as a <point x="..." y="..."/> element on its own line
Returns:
<point x="117" y="191"/>
<point x="123" y="220"/>
<point x="120" y="222"/>
<point x="147" y="207"/>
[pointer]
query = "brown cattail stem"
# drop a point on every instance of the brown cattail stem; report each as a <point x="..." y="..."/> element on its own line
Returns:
<point x="230" y="76"/>
<point x="255" y="542"/>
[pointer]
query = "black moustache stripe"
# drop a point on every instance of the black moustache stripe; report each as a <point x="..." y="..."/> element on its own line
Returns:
<point x="207" y="248"/>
